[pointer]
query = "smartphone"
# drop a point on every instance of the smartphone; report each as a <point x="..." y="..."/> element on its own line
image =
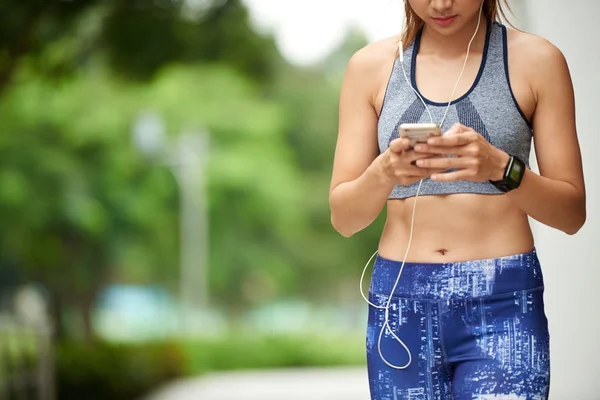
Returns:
<point x="419" y="133"/>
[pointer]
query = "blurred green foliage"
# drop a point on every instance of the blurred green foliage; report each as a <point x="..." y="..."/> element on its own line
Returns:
<point x="81" y="207"/>
<point x="252" y="351"/>
<point x="135" y="38"/>
<point x="18" y="355"/>
<point x="118" y="371"/>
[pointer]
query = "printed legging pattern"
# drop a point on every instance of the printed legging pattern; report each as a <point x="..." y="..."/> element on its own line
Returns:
<point x="476" y="330"/>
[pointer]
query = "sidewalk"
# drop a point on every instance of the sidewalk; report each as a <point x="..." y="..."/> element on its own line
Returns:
<point x="293" y="384"/>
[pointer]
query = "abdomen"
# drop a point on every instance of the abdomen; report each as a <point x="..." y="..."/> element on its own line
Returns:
<point x="456" y="227"/>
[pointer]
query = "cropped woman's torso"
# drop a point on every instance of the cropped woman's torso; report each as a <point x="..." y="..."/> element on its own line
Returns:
<point x="462" y="221"/>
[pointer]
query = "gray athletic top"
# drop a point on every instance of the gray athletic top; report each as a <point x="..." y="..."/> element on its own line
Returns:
<point x="489" y="107"/>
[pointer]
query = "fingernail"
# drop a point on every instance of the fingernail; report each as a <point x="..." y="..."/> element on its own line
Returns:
<point x="420" y="163"/>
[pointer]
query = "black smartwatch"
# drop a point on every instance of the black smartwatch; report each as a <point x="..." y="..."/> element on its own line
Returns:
<point x="513" y="175"/>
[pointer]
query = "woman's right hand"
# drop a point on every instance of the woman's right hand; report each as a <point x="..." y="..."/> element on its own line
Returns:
<point x="398" y="163"/>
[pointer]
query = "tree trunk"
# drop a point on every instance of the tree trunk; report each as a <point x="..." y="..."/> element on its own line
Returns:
<point x="56" y="317"/>
<point x="86" y="308"/>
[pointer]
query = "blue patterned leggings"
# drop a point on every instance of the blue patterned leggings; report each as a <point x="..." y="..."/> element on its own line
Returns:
<point x="476" y="330"/>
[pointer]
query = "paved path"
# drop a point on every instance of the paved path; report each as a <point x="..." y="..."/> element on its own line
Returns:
<point x="292" y="384"/>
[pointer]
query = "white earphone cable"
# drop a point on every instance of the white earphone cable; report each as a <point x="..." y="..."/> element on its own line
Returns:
<point x="412" y="223"/>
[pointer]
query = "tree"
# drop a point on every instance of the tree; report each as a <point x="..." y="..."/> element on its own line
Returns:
<point x="28" y="27"/>
<point x="76" y="199"/>
<point x="82" y="208"/>
<point x="81" y="205"/>
<point x="138" y="38"/>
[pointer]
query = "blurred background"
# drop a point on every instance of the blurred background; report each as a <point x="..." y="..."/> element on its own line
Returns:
<point x="164" y="172"/>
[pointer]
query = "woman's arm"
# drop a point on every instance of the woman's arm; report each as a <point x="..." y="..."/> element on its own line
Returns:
<point x="556" y="197"/>
<point x="358" y="189"/>
<point x="362" y="178"/>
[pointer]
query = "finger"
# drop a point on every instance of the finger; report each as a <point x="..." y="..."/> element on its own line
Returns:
<point x="415" y="171"/>
<point x="425" y="172"/>
<point x="426" y="175"/>
<point x="422" y="156"/>
<point x="439" y="150"/>
<point x="458" y="139"/>
<point x="459" y="175"/>
<point x="421" y="149"/>
<point x="443" y="163"/>
<point x="418" y="155"/>
<point x="415" y="155"/>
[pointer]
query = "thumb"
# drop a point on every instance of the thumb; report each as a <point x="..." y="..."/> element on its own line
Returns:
<point x="456" y="129"/>
<point x="398" y="145"/>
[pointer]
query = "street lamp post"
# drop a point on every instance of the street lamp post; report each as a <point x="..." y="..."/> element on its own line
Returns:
<point x="185" y="157"/>
<point x="191" y="152"/>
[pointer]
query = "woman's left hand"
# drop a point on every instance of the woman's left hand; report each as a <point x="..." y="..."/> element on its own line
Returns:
<point x="476" y="159"/>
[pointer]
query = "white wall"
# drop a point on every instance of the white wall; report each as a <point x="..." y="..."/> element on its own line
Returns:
<point x="570" y="264"/>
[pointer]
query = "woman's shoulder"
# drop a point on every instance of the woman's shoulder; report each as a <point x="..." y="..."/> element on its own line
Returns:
<point x="532" y="51"/>
<point x="375" y="56"/>
<point x="369" y="69"/>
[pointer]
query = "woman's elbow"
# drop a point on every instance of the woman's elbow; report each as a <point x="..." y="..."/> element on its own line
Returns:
<point x="340" y="226"/>
<point x="577" y="223"/>
<point x="578" y="218"/>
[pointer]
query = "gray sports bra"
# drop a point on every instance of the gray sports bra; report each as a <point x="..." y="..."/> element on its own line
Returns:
<point x="489" y="108"/>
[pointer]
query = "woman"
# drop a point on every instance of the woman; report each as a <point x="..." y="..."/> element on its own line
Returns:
<point x="456" y="296"/>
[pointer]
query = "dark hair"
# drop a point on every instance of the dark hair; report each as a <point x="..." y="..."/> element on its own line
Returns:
<point x="492" y="10"/>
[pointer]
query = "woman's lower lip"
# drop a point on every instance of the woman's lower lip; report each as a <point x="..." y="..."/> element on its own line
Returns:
<point x="445" y="21"/>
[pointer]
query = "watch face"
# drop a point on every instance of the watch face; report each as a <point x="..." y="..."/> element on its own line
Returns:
<point x="513" y="175"/>
<point x="515" y="172"/>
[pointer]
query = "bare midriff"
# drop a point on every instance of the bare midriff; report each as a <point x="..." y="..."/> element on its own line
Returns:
<point x="456" y="227"/>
